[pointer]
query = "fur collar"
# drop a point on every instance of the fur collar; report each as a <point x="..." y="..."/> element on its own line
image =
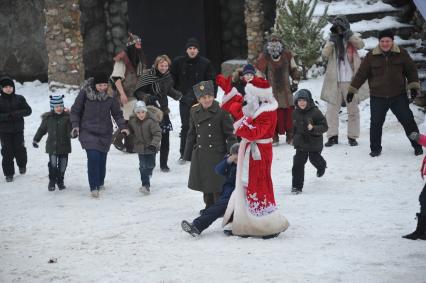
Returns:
<point x="91" y="92"/>
<point x="378" y="51"/>
<point x="227" y="97"/>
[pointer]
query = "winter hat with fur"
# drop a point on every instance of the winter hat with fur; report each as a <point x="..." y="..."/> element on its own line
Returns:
<point x="56" y="100"/>
<point x="249" y="69"/>
<point x="140" y="106"/>
<point x="302" y="94"/>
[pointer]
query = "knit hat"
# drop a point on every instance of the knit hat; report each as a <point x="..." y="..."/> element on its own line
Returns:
<point x="101" y="78"/>
<point x="56" y="100"/>
<point x="6" y="81"/>
<point x="249" y="69"/>
<point x="192" y="42"/>
<point x="140" y="106"/>
<point x="203" y="88"/>
<point x="234" y="148"/>
<point x="386" y="33"/>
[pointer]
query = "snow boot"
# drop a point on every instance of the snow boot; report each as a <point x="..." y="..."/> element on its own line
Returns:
<point x="23" y="170"/>
<point x="332" y="141"/>
<point x="94" y="193"/>
<point x="101" y="188"/>
<point x="420" y="232"/>
<point x="145" y="190"/>
<point x="9" y="179"/>
<point x="165" y="169"/>
<point x="375" y="153"/>
<point x="418" y="151"/>
<point x="60" y="182"/>
<point x="190" y="228"/>
<point x="320" y="172"/>
<point x="296" y="191"/>
<point x="352" y="142"/>
<point x="51" y="187"/>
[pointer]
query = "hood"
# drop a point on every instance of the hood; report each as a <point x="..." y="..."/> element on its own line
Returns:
<point x="341" y="21"/>
<point x="6" y="80"/>
<point x="305" y="94"/>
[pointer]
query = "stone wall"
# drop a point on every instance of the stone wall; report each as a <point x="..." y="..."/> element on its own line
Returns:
<point x="22" y="45"/>
<point x="117" y="25"/>
<point x="253" y="14"/>
<point x="64" y="42"/>
<point x="234" y="39"/>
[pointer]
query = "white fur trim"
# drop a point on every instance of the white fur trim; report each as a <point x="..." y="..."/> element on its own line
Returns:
<point x="238" y="123"/>
<point x="269" y="106"/>
<point x="228" y="96"/>
<point x="244" y="222"/>
<point x="259" y="92"/>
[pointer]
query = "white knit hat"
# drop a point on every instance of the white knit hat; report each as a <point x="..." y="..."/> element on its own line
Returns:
<point x="140" y="106"/>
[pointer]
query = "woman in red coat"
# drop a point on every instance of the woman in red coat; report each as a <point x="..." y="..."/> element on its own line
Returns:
<point x="253" y="203"/>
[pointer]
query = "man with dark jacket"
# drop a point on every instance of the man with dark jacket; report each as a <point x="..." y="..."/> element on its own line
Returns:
<point x="389" y="70"/>
<point x="187" y="71"/>
<point x="13" y="109"/>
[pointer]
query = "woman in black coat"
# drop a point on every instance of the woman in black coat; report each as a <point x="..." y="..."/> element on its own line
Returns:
<point x="153" y="88"/>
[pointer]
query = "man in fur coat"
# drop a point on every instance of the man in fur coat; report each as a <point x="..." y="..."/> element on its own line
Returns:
<point x="278" y="65"/>
<point x="343" y="62"/>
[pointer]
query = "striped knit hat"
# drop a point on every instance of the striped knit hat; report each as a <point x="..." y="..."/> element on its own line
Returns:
<point x="56" y="100"/>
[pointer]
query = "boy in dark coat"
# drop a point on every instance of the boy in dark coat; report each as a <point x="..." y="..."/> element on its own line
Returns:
<point x="144" y="127"/>
<point x="228" y="168"/>
<point x="13" y="109"/>
<point x="56" y="123"/>
<point x="309" y="125"/>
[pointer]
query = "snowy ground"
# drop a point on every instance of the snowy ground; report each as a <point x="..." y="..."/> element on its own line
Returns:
<point x="345" y="227"/>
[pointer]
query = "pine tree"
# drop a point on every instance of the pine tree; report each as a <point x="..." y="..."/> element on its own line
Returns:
<point x="300" y="32"/>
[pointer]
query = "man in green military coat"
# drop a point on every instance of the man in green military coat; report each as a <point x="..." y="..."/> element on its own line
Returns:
<point x="209" y="138"/>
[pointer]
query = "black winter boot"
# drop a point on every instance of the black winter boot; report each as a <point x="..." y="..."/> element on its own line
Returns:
<point x="52" y="177"/>
<point x="332" y="141"/>
<point x="352" y="142"/>
<point x="420" y="232"/>
<point x="60" y="182"/>
<point x="190" y="228"/>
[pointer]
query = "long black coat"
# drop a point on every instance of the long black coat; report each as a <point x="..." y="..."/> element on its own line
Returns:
<point x="187" y="72"/>
<point x="304" y="139"/>
<point x="210" y="135"/>
<point x="13" y="109"/>
<point x="58" y="129"/>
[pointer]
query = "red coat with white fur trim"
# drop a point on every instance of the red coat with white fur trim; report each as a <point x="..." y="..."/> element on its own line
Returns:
<point x="260" y="192"/>
<point x="232" y="102"/>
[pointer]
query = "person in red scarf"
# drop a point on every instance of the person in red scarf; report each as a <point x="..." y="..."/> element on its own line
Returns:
<point x="232" y="100"/>
<point x="252" y="204"/>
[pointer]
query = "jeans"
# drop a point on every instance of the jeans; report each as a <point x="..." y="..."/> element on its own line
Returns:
<point x="96" y="167"/>
<point x="13" y="147"/>
<point x="213" y="212"/>
<point x="299" y="161"/>
<point x="57" y="166"/>
<point x="146" y="166"/>
<point x="399" y="105"/>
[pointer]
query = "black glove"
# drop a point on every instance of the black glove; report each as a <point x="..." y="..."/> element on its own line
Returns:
<point x="35" y="144"/>
<point x="152" y="148"/>
<point x="349" y="97"/>
<point x="414" y="93"/>
<point x="294" y="87"/>
<point x="414" y="136"/>
<point x="75" y="132"/>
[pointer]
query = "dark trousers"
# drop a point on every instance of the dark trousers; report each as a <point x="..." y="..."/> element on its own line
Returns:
<point x="399" y="105"/>
<point x="13" y="147"/>
<point x="184" y="110"/>
<point x="213" y="212"/>
<point x="164" y="149"/>
<point x="96" y="167"/>
<point x="210" y="198"/>
<point x="57" y="166"/>
<point x="422" y="200"/>
<point x="299" y="161"/>
<point x="146" y="166"/>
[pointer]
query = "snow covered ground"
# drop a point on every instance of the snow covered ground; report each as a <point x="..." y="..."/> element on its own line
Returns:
<point x="345" y="227"/>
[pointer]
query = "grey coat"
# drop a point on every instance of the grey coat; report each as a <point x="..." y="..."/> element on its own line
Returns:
<point x="209" y="138"/>
<point x="146" y="132"/>
<point x="92" y="112"/>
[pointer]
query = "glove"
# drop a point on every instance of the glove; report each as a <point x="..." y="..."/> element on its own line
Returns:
<point x="35" y="144"/>
<point x="152" y="148"/>
<point x="414" y="93"/>
<point x="414" y="136"/>
<point x="349" y="97"/>
<point x="75" y="132"/>
<point x="294" y="87"/>
<point x="125" y="132"/>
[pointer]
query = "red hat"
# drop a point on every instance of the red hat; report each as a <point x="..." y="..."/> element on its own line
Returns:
<point x="259" y="87"/>
<point x="224" y="83"/>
